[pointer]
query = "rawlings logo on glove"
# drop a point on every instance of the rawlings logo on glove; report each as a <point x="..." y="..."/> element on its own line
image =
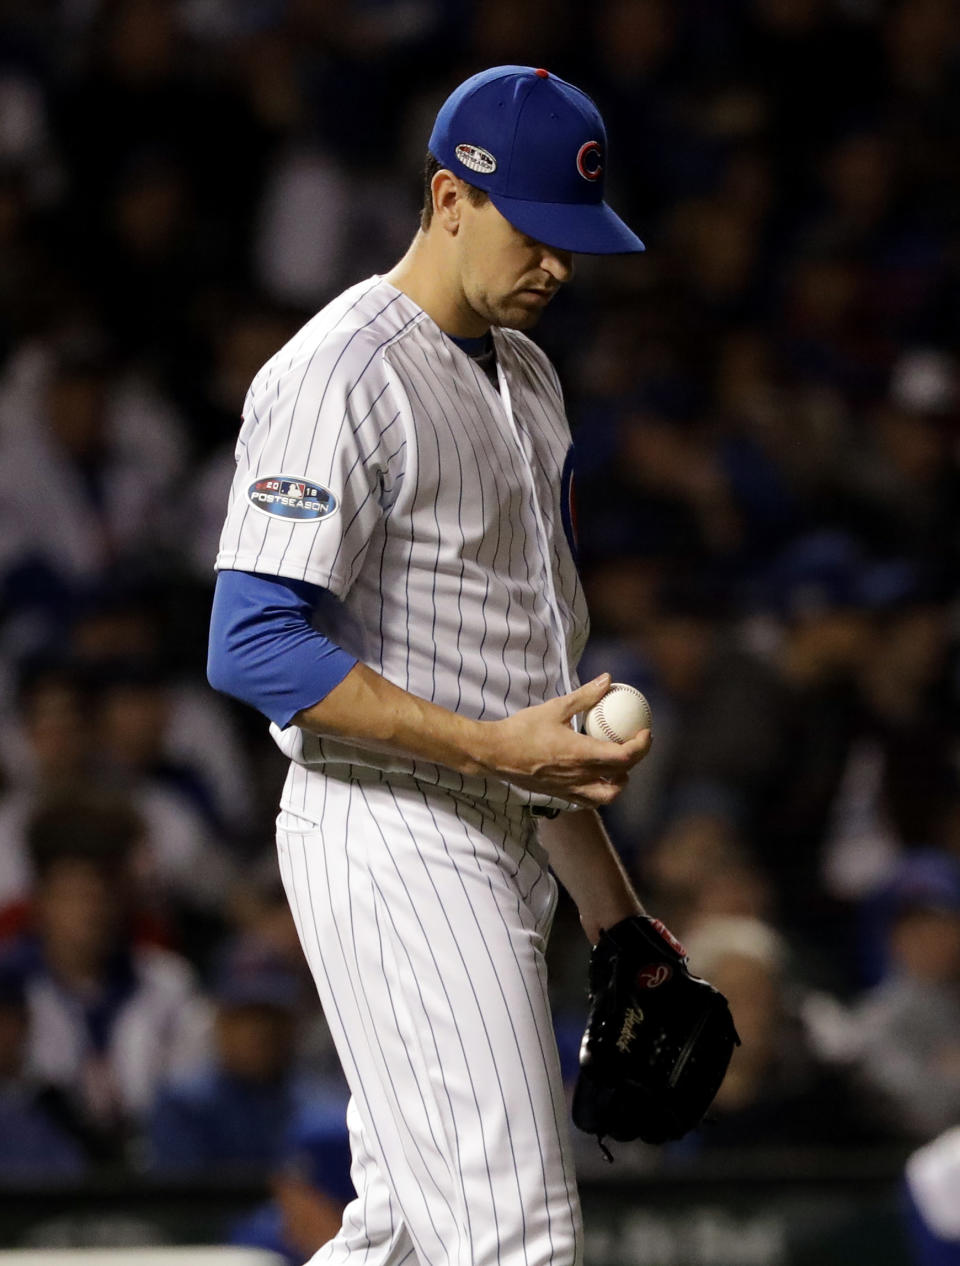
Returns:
<point x="658" y="1040"/>
<point x="654" y="974"/>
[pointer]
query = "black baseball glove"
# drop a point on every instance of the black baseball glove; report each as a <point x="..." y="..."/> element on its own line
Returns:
<point x="658" y="1039"/>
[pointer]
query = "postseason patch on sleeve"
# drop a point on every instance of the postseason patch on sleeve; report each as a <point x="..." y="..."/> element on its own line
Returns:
<point x="292" y="497"/>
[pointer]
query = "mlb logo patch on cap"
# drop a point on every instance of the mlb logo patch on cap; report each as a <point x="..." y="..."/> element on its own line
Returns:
<point x="476" y="159"/>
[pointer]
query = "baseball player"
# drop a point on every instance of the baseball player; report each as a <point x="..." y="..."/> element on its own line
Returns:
<point x="397" y="593"/>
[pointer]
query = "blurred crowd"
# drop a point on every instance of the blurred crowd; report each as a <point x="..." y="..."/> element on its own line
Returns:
<point x="766" y="409"/>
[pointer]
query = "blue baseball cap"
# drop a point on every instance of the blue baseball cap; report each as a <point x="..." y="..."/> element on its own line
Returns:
<point x="537" y="146"/>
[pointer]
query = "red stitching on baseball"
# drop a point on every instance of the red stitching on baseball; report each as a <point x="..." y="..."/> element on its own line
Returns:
<point x="614" y="690"/>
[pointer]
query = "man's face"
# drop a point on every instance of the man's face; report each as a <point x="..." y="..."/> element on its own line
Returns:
<point x="507" y="278"/>
<point x="80" y="905"/>
<point x="255" y="1041"/>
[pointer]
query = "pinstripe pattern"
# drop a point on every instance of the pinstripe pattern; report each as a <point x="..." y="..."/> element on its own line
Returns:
<point x="421" y="897"/>
<point x="424" y="918"/>
<point x="447" y="551"/>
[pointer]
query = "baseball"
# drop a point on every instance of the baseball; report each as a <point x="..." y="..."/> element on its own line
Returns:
<point x="618" y="716"/>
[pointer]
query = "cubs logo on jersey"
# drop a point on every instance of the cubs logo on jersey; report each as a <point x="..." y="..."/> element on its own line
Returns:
<point x="568" y="504"/>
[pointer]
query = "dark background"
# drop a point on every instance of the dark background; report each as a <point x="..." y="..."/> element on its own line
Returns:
<point x="767" y="423"/>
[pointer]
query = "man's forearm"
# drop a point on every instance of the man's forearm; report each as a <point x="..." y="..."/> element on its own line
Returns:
<point x="586" y="863"/>
<point x="367" y="709"/>
<point x="535" y="748"/>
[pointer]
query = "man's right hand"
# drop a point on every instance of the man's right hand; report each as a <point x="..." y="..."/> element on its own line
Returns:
<point x="538" y="749"/>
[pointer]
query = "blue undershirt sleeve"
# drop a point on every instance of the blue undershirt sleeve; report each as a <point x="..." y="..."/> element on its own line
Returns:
<point x="263" y="648"/>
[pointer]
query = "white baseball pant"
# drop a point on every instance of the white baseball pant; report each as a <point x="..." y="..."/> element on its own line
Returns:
<point x="424" y="919"/>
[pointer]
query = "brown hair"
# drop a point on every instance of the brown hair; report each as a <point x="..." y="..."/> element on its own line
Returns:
<point x="431" y="166"/>
<point x="83" y="825"/>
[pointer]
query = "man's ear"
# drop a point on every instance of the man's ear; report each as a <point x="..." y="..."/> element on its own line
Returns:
<point x="448" y="196"/>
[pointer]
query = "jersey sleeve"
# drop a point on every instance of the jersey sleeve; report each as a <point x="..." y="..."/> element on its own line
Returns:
<point x="322" y="437"/>
<point x="263" y="648"/>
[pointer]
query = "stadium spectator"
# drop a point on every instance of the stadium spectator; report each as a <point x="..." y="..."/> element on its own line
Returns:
<point x="36" y="1140"/>
<point x="311" y="1187"/>
<point x="134" y="638"/>
<point x="41" y="756"/>
<point x="234" y="1112"/>
<point x="699" y="868"/>
<point x="933" y="1201"/>
<point x="93" y="452"/>
<point x="908" y="1026"/>
<point x="777" y="1093"/>
<point x="123" y="715"/>
<point x="110" y="1017"/>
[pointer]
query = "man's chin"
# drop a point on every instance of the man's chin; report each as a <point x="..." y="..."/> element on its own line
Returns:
<point x="516" y="316"/>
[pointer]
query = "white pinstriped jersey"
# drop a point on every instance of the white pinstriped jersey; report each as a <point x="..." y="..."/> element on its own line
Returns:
<point x="433" y="514"/>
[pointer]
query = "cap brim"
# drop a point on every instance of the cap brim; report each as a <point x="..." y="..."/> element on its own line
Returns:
<point x="585" y="228"/>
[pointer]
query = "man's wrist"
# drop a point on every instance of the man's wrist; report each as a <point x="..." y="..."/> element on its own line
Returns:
<point x="476" y="741"/>
<point x="594" y="923"/>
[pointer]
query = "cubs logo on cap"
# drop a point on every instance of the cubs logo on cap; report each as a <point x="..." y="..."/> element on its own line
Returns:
<point x="590" y="160"/>
<point x="537" y="146"/>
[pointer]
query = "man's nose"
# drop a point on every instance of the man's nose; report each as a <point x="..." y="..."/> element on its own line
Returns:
<point x="558" y="263"/>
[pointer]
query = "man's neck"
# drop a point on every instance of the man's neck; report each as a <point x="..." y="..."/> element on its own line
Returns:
<point x="427" y="279"/>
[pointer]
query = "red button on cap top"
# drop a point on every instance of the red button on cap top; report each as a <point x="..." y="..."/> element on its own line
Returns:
<point x="544" y="74"/>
